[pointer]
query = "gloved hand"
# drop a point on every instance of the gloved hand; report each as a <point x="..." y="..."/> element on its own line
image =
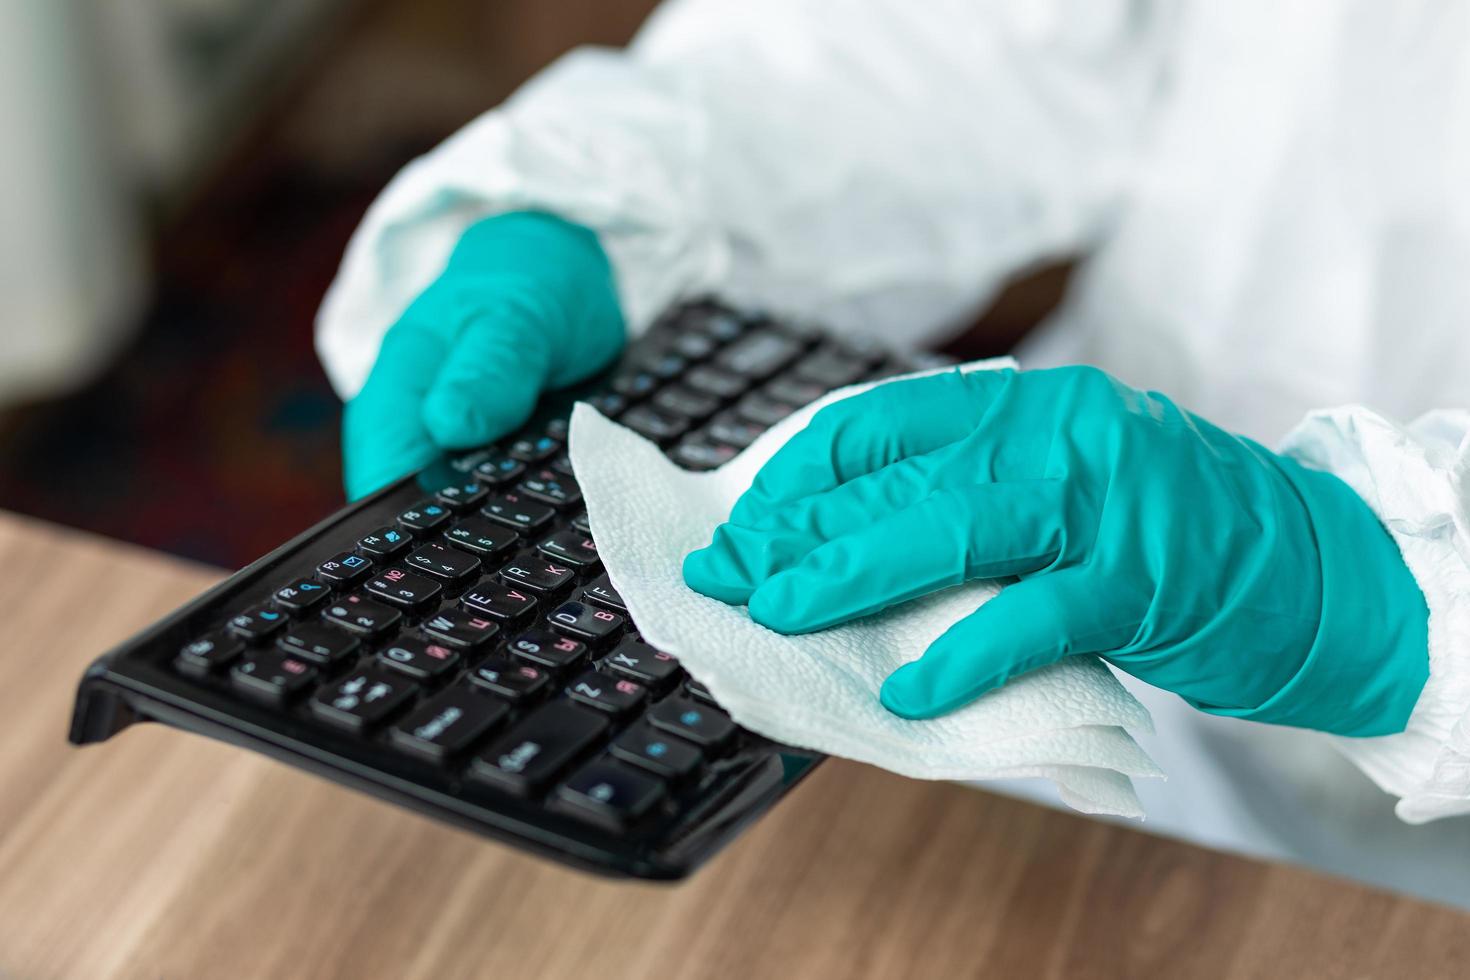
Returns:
<point x="525" y="303"/>
<point x="1193" y="559"/>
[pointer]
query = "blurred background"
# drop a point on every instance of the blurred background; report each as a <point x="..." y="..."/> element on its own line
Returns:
<point x="186" y="175"/>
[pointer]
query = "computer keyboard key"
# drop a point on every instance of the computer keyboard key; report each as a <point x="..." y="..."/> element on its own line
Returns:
<point x="655" y="424"/>
<point x="344" y="569"/>
<point x="498" y="470"/>
<point x="732" y="430"/>
<point x="532" y="754"/>
<point x="364" y="698"/>
<point x="426" y="515"/>
<point x="715" y="322"/>
<point x="665" y="366"/>
<point x="362" y="615"/>
<point x="563" y="465"/>
<point x="686" y="402"/>
<point x="499" y="601"/>
<point x="548" y="650"/>
<point x="536" y="572"/>
<point x="699" y="453"/>
<point x="572" y="547"/>
<point x="698" y="691"/>
<point x="600" y="590"/>
<point x="829" y="369"/>
<point x="535" y="449"/>
<point x="609" y="794"/>
<point x="634" y="384"/>
<point x="460" y="497"/>
<point x="716" y="383"/>
<point x="404" y="588"/>
<point x="759" y="354"/>
<point x="518" y="512"/>
<point x="385" y="542"/>
<point x="640" y="662"/>
<point x="421" y="659"/>
<point x="273" y="675"/>
<point x="449" y="723"/>
<point x="301" y="595"/>
<point x="550" y="487"/>
<point x="649" y="749"/>
<point x="581" y="523"/>
<point x="559" y="429"/>
<point x="443" y="562"/>
<point x="589" y="623"/>
<point x="209" y="653"/>
<point x="461" y="628"/>
<point x="319" y="643"/>
<point x="258" y="623"/>
<point x="614" y="695"/>
<point x="482" y="537"/>
<point x="701" y="724"/>
<point x="795" y="391"/>
<point x="611" y="404"/>
<point x="762" y="409"/>
<point x="513" y="680"/>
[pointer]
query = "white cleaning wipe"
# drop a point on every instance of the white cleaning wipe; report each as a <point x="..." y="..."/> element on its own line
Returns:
<point x="820" y="691"/>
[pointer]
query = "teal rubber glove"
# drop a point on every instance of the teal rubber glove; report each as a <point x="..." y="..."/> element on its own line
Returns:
<point x="525" y="303"/>
<point x="1193" y="559"/>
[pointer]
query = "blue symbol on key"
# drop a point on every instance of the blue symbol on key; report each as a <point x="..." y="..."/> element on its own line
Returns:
<point x="352" y="561"/>
<point x="433" y="510"/>
<point x="269" y="617"/>
<point x="690" y="717"/>
<point x="656" y="749"/>
<point x="308" y="586"/>
<point x="393" y="537"/>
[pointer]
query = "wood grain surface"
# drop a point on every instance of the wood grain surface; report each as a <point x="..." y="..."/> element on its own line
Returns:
<point x="160" y="854"/>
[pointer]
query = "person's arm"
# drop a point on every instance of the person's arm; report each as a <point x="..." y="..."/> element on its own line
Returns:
<point x="883" y="164"/>
<point x="1416" y="479"/>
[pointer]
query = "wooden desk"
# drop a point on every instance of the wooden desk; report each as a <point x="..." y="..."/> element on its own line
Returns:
<point x="164" y="855"/>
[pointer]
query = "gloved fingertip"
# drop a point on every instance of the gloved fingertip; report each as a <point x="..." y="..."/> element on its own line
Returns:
<point x="898" y="700"/>
<point x="780" y="607"/>
<point x="711" y="571"/>
<point x="459" y="419"/>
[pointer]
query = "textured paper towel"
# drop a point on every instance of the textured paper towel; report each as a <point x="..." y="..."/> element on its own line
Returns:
<point x="820" y="691"/>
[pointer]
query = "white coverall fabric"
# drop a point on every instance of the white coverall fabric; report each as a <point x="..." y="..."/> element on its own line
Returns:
<point x="1274" y="205"/>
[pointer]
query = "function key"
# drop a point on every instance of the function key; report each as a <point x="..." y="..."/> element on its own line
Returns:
<point x="511" y="679"/>
<point x="481" y="536"/>
<point x="500" y="601"/>
<point x="610" y="694"/>
<point x="460" y="628"/>
<point x="609" y="794"/>
<point x="209" y="653"/>
<point x="682" y="401"/>
<point x="384" y="542"/>
<point x="449" y="724"/>
<point x="551" y="487"/>
<point x="570" y="546"/>
<point x="547" y="650"/>
<point x="704" y="726"/>
<point x="716" y="383"/>
<point x="404" y="588"/>
<point x="426" y="515"/>
<point x="732" y="430"/>
<point x="301" y="595"/>
<point x="600" y="590"/>
<point x="654" y="424"/>
<point x="421" y="659"/>
<point x="258" y="623"/>
<point x="534" y="752"/>
<point x="586" y="622"/>
<point x="651" y="750"/>
<point x="697" y="452"/>
<point x="759" y="354"/>
<point x="534" y="571"/>
<point x="515" y="511"/>
<point x="535" y="449"/>
<point x="444" y="562"/>
<point x="344" y="569"/>
<point x="638" y="661"/>
<point x="318" y="643"/>
<point x="462" y="496"/>
<point x="499" y="469"/>
<point x="362" y="615"/>
<point x="363" y="699"/>
<point x="273" y="675"/>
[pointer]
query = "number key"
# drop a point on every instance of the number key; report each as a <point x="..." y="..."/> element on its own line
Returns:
<point x="444" y="562"/>
<point x="362" y="615"/>
<point x="403" y="588"/>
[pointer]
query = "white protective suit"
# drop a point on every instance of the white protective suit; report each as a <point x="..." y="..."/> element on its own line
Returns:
<point x="1275" y="202"/>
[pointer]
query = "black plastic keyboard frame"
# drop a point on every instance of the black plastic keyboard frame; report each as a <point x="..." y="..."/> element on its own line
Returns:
<point x="137" y="681"/>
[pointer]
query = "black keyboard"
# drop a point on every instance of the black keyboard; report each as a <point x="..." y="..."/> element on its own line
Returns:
<point x="451" y="643"/>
